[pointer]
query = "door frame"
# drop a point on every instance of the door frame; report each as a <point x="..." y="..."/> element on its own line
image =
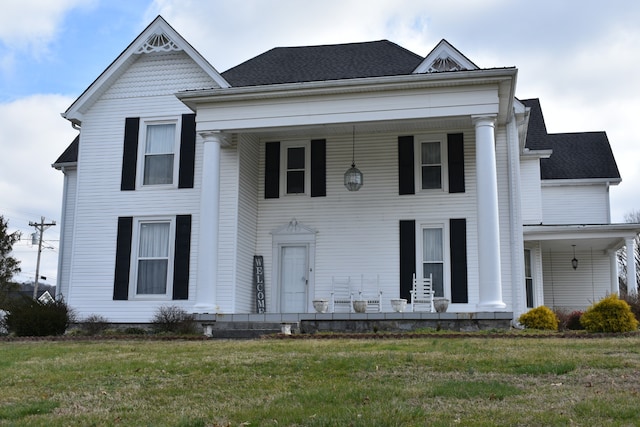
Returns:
<point x="292" y="234"/>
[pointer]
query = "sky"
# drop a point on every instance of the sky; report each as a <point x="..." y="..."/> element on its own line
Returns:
<point x="581" y="58"/>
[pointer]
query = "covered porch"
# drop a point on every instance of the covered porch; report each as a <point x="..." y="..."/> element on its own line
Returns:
<point x="570" y="267"/>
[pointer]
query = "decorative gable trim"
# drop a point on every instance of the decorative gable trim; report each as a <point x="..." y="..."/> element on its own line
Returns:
<point x="443" y="58"/>
<point x="294" y="227"/>
<point x="158" y="43"/>
<point x="159" y="36"/>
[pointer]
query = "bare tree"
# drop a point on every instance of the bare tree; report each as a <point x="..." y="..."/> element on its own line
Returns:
<point x="631" y="217"/>
<point x="8" y="264"/>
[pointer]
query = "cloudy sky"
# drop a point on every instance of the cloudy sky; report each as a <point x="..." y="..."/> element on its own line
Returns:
<point x="581" y="58"/>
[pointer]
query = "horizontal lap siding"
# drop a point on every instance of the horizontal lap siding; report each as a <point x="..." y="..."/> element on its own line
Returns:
<point x="531" y="193"/>
<point x="589" y="204"/>
<point x="99" y="199"/>
<point x="226" y="289"/>
<point x="572" y="289"/>
<point x="358" y="232"/>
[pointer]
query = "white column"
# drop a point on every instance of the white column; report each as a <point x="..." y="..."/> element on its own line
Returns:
<point x="632" y="284"/>
<point x="613" y="266"/>
<point x="207" y="278"/>
<point x="490" y="282"/>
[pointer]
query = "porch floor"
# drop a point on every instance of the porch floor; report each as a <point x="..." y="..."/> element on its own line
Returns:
<point x="255" y="325"/>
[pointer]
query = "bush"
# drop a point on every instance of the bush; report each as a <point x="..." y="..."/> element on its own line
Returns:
<point x="26" y="317"/>
<point x="173" y="319"/>
<point x="573" y="323"/>
<point x="539" y="318"/>
<point x="610" y="314"/>
<point x="634" y="303"/>
<point x="568" y="320"/>
<point x="95" y="324"/>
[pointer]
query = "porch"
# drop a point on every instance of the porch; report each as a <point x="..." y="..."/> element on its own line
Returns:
<point x="256" y="325"/>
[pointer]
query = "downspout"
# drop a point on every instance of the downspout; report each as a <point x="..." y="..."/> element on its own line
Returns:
<point x="515" y="220"/>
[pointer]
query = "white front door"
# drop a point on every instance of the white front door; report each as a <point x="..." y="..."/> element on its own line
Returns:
<point x="294" y="278"/>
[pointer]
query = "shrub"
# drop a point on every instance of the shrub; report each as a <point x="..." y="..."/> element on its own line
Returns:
<point x="27" y="317"/>
<point x="173" y="319"/>
<point x="573" y="323"/>
<point x="95" y="324"/>
<point x="539" y="318"/>
<point x="634" y="302"/>
<point x="610" y="314"/>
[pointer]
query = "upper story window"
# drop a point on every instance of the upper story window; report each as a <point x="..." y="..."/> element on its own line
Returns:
<point x="431" y="165"/>
<point x="296" y="170"/>
<point x="159" y="153"/>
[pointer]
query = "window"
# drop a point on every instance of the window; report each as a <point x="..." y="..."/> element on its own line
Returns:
<point x="433" y="258"/>
<point x="152" y="256"/>
<point x="295" y="176"/>
<point x="431" y="165"/>
<point x="528" y="278"/>
<point x="159" y="154"/>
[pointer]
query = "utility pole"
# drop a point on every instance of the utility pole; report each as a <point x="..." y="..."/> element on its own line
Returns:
<point x="41" y="227"/>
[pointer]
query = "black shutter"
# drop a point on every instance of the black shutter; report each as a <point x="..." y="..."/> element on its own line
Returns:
<point x="130" y="154"/>
<point x="123" y="258"/>
<point x="458" y="240"/>
<point x="318" y="168"/>
<point x="406" y="166"/>
<point x="407" y="257"/>
<point x="187" y="151"/>
<point x="455" y="153"/>
<point x="182" y="255"/>
<point x="272" y="170"/>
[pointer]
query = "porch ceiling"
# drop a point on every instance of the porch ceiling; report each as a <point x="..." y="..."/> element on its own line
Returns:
<point x="386" y="126"/>
<point x="600" y="237"/>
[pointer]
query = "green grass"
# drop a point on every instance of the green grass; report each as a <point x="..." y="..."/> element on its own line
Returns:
<point x="393" y="382"/>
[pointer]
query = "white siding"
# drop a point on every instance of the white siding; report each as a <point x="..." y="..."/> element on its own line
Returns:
<point x="66" y="236"/>
<point x="571" y="289"/>
<point x="531" y="191"/>
<point x="99" y="199"/>
<point x="589" y="204"/>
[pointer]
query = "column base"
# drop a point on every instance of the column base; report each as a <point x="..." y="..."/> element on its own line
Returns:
<point x="492" y="306"/>
<point x="205" y="309"/>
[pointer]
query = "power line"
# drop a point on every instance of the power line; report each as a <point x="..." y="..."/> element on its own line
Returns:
<point x="40" y="227"/>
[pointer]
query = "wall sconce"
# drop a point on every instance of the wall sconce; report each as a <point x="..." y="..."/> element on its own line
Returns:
<point x="353" y="177"/>
<point x="574" y="261"/>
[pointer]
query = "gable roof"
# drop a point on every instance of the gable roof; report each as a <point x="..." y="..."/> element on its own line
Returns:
<point x="159" y="36"/>
<point x="325" y="62"/>
<point x="70" y="155"/>
<point x="580" y="155"/>
<point x="445" y="57"/>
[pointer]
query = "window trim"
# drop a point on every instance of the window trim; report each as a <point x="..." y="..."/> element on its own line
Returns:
<point x="446" y="261"/>
<point x="284" y="148"/>
<point x="135" y="246"/>
<point x="444" y="164"/>
<point x="142" y="142"/>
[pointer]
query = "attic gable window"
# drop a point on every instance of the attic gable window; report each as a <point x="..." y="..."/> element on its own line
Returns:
<point x="445" y="64"/>
<point x="158" y="43"/>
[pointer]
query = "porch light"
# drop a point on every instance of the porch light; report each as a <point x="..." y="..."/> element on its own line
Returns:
<point x="353" y="177"/>
<point x="574" y="261"/>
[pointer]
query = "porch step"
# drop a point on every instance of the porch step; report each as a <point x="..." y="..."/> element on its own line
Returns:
<point x="245" y="330"/>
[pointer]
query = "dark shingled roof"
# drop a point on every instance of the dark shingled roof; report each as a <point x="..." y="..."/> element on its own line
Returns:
<point x="581" y="155"/>
<point x="70" y="155"/>
<point x="327" y="62"/>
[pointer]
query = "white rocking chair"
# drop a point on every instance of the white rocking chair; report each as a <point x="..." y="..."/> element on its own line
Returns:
<point x="422" y="293"/>
<point x="341" y="294"/>
<point x="370" y="292"/>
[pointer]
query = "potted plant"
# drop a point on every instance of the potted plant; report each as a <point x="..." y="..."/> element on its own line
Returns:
<point x="440" y="304"/>
<point x="321" y="305"/>
<point x="398" y="304"/>
<point x="360" y="306"/>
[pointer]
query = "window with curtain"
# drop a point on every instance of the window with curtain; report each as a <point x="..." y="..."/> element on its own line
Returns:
<point x="431" y="165"/>
<point x="153" y="258"/>
<point x="159" y="154"/>
<point x="433" y="258"/>
<point x="528" y="278"/>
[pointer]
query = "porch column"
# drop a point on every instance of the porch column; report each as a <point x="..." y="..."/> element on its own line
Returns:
<point x="488" y="216"/>
<point x="613" y="266"/>
<point x="207" y="278"/>
<point x="632" y="284"/>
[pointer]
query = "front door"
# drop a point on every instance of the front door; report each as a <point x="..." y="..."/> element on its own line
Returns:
<point x="294" y="279"/>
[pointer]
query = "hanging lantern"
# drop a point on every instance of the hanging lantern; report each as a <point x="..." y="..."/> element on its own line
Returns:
<point x="353" y="179"/>
<point x="574" y="261"/>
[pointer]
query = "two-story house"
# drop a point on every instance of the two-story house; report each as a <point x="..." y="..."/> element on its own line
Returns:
<point x="356" y="160"/>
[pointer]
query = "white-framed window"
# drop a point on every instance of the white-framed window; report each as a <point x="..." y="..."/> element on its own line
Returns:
<point x="431" y="161"/>
<point x="528" y="278"/>
<point x="152" y="258"/>
<point x="158" y="156"/>
<point x="295" y="171"/>
<point x="433" y="257"/>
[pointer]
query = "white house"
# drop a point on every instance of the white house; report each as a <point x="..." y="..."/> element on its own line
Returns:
<point x="180" y="176"/>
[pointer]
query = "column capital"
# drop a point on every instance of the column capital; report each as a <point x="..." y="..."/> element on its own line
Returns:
<point x="222" y="138"/>
<point x="484" y="120"/>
